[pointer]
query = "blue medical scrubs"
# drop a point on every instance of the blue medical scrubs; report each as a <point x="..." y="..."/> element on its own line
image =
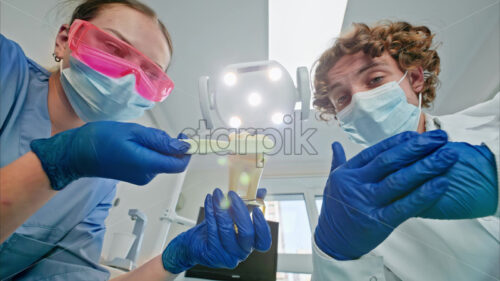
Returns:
<point x="63" y="239"/>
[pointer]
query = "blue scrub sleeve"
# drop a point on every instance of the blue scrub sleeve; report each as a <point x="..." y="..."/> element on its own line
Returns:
<point x="76" y="256"/>
<point x="13" y="78"/>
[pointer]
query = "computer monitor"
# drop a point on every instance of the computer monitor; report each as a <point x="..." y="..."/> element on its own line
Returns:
<point x="257" y="267"/>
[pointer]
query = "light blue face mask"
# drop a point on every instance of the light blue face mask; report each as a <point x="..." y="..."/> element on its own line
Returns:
<point x="379" y="113"/>
<point x="97" y="97"/>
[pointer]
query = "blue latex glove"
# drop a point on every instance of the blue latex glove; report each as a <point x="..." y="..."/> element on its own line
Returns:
<point x="378" y="189"/>
<point x="214" y="242"/>
<point x="473" y="185"/>
<point x="123" y="151"/>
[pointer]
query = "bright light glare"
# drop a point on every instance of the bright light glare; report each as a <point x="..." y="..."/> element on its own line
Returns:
<point x="275" y="74"/>
<point x="230" y="78"/>
<point x="277" y="118"/>
<point x="254" y="99"/>
<point x="298" y="105"/>
<point x="222" y="161"/>
<point x="244" y="179"/>
<point x="235" y="122"/>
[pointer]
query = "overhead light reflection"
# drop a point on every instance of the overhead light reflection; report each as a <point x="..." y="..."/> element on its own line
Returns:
<point x="230" y="79"/>
<point x="277" y="118"/>
<point x="254" y="99"/>
<point x="235" y="122"/>
<point x="275" y="74"/>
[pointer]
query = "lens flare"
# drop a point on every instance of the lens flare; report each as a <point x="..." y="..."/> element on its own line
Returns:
<point x="277" y="118"/>
<point x="230" y="79"/>
<point x="275" y="74"/>
<point x="235" y="122"/>
<point x="254" y="99"/>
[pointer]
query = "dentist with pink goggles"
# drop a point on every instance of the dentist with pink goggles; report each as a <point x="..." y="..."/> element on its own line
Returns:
<point x="62" y="152"/>
<point x="109" y="79"/>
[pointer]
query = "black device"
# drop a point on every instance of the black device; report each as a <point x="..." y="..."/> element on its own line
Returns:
<point x="257" y="267"/>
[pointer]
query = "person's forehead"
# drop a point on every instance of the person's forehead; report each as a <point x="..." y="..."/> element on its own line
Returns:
<point x="351" y="64"/>
<point x="140" y="30"/>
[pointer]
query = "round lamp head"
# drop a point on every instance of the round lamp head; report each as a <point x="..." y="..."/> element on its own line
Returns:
<point x="254" y="95"/>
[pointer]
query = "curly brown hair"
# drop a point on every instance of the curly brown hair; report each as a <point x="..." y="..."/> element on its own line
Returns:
<point x="411" y="46"/>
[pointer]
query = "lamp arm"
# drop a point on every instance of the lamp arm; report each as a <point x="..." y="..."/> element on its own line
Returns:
<point x="205" y="103"/>
<point x="304" y="90"/>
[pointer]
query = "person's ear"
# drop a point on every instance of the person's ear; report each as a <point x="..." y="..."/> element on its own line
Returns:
<point x="61" y="45"/>
<point x="417" y="79"/>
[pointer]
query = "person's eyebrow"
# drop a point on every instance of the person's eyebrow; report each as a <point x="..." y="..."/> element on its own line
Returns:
<point x="333" y="86"/>
<point x="119" y="35"/>
<point x="361" y="70"/>
<point x="370" y="65"/>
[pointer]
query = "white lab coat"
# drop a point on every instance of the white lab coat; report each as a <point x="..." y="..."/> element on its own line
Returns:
<point x="425" y="249"/>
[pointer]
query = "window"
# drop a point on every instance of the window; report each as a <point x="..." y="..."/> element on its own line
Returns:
<point x="319" y="202"/>
<point x="294" y="231"/>
<point x="285" y="276"/>
<point x="292" y="202"/>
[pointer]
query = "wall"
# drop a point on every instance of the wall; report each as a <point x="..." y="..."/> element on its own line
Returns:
<point x="33" y="25"/>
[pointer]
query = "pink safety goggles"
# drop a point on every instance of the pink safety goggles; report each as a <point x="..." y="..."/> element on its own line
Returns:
<point x="113" y="57"/>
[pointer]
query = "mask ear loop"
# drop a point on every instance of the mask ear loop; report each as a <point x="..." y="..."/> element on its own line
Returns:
<point x="60" y="67"/>
<point x="419" y="94"/>
<point x="419" y="108"/>
<point x="419" y="98"/>
<point x="420" y="102"/>
<point x="402" y="78"/>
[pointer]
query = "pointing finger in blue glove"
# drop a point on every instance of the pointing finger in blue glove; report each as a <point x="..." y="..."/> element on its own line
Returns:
<point x="214" y="242"/>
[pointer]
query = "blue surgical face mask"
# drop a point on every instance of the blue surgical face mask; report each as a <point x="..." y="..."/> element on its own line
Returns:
<point x="97" y="97"/>
<point x="379" y="113"/>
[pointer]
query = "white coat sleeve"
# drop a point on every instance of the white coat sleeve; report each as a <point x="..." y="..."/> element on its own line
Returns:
<point x="367" y="268"/>
<point x="494" y="144"/>
<point x="478" y="124"/>
<point x="491" y="109"/>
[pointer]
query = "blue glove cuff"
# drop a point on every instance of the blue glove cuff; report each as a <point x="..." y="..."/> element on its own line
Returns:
<point x="324" y="245"/>
<point x="53" y="158"/>
<point x="174" y="257"/>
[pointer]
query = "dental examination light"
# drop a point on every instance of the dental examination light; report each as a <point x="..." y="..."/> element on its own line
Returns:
<point x="253" y="95"/>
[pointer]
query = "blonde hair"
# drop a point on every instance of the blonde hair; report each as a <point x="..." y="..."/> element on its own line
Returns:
<point x="411" y="47"/>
